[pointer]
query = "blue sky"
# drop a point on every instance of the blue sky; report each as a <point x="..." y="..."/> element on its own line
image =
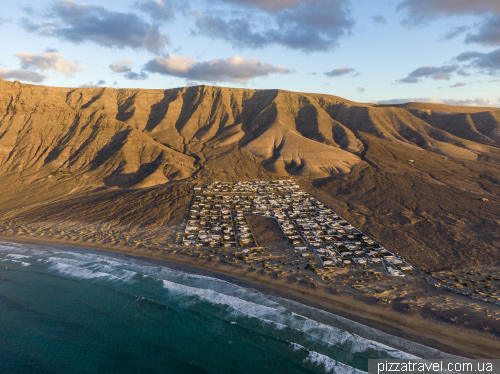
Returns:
<point x="444" y="51"/>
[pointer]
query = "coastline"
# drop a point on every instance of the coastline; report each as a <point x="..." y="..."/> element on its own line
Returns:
<point x="423" y="331"/>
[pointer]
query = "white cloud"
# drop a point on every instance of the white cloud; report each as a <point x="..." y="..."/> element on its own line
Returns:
<point x="48" y="61"/>
<point x="175" y="65"/>
<point x="479" y="102"/>
<point x="23" y="75"/>
<point x="233" y="69"/>
<point x="92" y="84"/>
<point x="121" y="66"/>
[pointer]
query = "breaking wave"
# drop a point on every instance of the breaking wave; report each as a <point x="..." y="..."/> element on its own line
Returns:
<point x="328" y="364"/>
<point x="234" y="302"/>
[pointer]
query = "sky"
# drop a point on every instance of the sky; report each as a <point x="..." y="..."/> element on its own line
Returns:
<point x="385" y="51"/>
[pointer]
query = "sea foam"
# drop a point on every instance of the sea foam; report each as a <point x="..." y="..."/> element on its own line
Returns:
<point x="281" y="318"/>
<point x="17" y="257"/>
<point x="328" y="364"/>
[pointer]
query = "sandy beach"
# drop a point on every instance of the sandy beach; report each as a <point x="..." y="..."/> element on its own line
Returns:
<point x="420" y="313"/>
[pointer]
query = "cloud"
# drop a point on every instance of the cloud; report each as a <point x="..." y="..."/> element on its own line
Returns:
<point x="31" y="63"/>
<point x="379" y="20"/>
<point x="22" y="75"/>
<point x="234" y="69"/>
<point x="309" y="25"/>
<point x="78" y="23"/>
<point x="488" y="62"/>
<point x="338" y="72"/>
<point x="136" y="76"/>
<point x="453" y="33"/>
<point x="91" y="84"/>
<point x="480" y="102"/>
<point x="121" y="66"/>
<point x="29" y="10"/>
<point x="361" y="89"/>
<point x="463" y="73"/>
<point x="419" y="11"/>
<point x="159" y="10"/>
<point x="488" y="34"/>
<point x="469" y="56"/>
<point x="48" y="61"/>
<point x="270" y="6"/>
<point x="493" y="81"/>
<point x="437" y="73"/>
<point x="460" y="84"/>
<point x="409" y="80"/>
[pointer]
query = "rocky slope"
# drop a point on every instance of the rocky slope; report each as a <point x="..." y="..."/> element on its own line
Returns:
<point x="59" y="144"/>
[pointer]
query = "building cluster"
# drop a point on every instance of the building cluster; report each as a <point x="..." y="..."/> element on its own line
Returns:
<point x="217" y="219"/>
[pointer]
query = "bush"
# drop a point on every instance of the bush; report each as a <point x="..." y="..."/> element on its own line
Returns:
<point x="311" y="267"/>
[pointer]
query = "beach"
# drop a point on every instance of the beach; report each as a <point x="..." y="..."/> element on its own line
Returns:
<point x="400" y="319"/>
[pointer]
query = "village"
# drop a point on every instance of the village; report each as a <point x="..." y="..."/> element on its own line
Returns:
<point x="217" y="220"/>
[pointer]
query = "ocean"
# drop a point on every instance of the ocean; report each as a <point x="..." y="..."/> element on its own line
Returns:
<point x="75" y="310"/>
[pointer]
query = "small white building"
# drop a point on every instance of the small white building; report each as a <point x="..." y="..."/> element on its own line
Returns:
<point x="359" y="261"/>
<point x="394" y="272"/>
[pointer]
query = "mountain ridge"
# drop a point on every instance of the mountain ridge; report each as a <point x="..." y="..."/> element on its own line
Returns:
<point x="270" y="124"/>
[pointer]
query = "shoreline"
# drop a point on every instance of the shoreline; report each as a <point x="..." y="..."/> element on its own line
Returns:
<point x="425" y="332"/>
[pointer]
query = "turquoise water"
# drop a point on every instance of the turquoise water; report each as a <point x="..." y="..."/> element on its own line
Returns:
<point x="81" y="311"/>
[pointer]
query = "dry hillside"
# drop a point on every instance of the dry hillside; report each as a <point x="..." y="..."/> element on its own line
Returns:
<point x="129" y="156"/>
